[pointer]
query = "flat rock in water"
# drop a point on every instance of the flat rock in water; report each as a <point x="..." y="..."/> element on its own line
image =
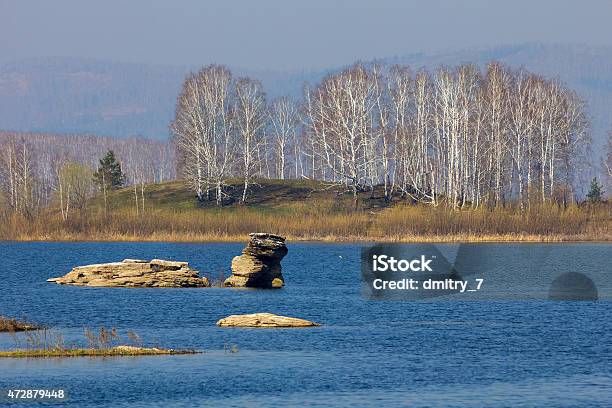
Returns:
<point x="264" y="320"/>
<point x="157" y="273"/>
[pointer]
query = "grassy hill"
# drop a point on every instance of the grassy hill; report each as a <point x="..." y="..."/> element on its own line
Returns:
<point x="264" y="195"/>
<point x="301" y="210"/>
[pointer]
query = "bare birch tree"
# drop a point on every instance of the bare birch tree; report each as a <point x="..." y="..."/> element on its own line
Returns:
<point x="250" y="116"/>
<point x="284" y="119"/>
<point x="203" y="131"/>
<point x="17" y="176"/>
<point x="339" y="119"/>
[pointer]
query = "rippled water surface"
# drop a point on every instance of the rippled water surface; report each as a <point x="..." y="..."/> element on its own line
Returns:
<point x="434" y="353"/>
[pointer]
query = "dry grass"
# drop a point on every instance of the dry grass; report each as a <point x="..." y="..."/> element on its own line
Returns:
<point x="539" y="223"/>
<point x="100" y="343"/>
<point x="401" y="224"/>
<point x="90" y="352"/>
<point x="301" y="211"/>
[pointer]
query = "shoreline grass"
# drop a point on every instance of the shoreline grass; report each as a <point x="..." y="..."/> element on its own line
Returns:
<point x="212" y="238"/>
<point x="306" y="212"/>
<point x="100" y="343"/>
<point x="396" y="224"/>
<point x="117" y="351"/>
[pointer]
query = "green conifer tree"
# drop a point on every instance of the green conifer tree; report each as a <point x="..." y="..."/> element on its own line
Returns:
<point x="595" y="193"/>
<point x="109" y="175"/>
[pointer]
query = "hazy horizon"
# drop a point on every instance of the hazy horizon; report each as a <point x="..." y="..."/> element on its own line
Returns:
<point x="274" y="34"/>
<point x="283" y="44"/>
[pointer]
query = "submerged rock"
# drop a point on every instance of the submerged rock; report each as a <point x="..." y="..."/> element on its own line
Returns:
<point x="259" y="266"/>
<point x="264" y="320"/>
<point x="12" y="325"/>
<point x="157" y="273"/>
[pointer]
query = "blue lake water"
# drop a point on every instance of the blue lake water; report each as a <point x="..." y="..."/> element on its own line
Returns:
<point x="388" y="353"/>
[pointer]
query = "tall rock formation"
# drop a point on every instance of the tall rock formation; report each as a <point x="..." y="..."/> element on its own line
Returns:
<point x="259" y="266"/>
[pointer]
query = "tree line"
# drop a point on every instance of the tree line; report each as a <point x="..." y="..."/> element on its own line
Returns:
<point x="458" y="137"/>
<point x="40" y="169"/>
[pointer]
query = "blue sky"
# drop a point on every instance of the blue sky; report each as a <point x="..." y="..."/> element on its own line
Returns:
<point x="277" y="34"/>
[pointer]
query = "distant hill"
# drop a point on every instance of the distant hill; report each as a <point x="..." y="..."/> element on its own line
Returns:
<point x="67" y="95"/>
<point x="93" y="96"/>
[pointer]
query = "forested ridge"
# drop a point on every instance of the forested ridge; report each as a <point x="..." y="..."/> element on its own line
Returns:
<point x="450" y="139"/>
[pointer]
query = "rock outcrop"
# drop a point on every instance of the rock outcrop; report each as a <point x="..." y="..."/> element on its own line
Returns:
<point x="13" y="325"/>
<point x="259" y="266"/>
<point x="264" y="320"/>
<point x="157" y="273"/>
